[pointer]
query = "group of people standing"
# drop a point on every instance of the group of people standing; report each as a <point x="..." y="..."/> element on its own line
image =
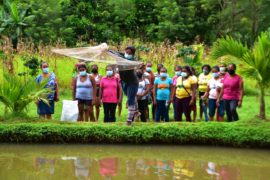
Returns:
<point x="219" y="89"/>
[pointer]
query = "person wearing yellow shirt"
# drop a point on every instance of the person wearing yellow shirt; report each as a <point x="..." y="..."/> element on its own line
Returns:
<point x="203" y="80"/>
<point x="185" y="92"/>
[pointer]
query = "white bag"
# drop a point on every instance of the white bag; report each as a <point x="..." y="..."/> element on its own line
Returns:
<point x="70" y="111"/>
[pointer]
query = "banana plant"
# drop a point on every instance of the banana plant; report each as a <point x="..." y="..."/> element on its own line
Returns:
<point x="256" y="58"/>
<point x="13" y="21"/>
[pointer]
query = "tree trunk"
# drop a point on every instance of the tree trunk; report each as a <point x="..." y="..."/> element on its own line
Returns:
<point x="262" y="104"/>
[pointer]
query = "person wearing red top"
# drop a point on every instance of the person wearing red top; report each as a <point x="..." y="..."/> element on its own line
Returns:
<point x="110" y="93"/>
<point x="232" y="93"/>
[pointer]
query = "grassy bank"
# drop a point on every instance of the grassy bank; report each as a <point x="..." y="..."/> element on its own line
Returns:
<point x="254" y="134"/>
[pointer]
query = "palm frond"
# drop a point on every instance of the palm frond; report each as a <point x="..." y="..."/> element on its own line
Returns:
<point x="228" y="48"/>
<point x="260" y="59"/>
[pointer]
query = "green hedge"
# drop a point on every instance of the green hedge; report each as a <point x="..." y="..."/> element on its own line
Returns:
<point x="227" y="134"/>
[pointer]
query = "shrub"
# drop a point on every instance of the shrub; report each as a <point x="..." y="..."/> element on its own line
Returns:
<point x="225" y="134"/>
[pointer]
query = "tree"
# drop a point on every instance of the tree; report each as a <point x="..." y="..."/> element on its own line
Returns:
<point x="13" y="21"/>
<point x="48" y="26"/>
<point x="257" y="59"/>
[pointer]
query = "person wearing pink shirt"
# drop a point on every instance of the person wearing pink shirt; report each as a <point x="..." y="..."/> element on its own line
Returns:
<point x="110" y="92"/>
<point x="232" y="93"/>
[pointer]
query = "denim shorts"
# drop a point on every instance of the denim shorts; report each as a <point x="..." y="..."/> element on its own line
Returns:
<point x="212" y="107"/>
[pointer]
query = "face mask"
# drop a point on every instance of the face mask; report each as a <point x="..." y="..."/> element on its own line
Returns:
<point x="117" y="70"/>
<point x="205" y="72"/>
<point x="184" y="74"/>
<point x="163" y="75"/>
<point x="109" y="73"/>
<point x="127" y="56"/>
<point x="222" y="69"/>
<point x="83" y="73"/>
<point x="215" y="75"/>
<point x="231" y="71"/>
<point x="139" y="75"/>
<point x="45" y="70"/>
<point x="148" y="69"/>
<point x="178" y="73"/>
<point x="94" y="70"/>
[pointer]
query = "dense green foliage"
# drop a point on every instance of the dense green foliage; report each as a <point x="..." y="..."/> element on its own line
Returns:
<point x="187" y="21"/>
<point x="228" y="134"/>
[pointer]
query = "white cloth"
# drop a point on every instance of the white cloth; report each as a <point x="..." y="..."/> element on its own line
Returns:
<point x="70" y="111"/>
<point x="142" y="88"/>
<point x="213" y="85"/>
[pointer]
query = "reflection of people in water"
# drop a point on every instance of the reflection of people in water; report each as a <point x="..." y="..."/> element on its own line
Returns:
<point x="142" y="166"/>
<point x="82" y="166"/>
<point x="163" y="168"/>
<point x="211" y="169"/>
<point x="44" y="165"/>
<point x="108" y="167"/>
<point x="229" y="172"/>
<point x="183" y="169"/>
<point x="131" y="168"/>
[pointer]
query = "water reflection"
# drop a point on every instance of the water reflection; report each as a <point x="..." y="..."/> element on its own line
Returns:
<point x="104" y="165"/>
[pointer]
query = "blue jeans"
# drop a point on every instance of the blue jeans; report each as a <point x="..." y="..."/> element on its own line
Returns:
<point x="162" y="111"/>
<point x="212" y="107"/>
<point x="130" y="91"/>
<point x="230" y="108"/>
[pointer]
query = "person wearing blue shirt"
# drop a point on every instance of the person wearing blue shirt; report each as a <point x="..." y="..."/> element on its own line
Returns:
<point x="163" y="87"/>
<point x="46" y="110"/>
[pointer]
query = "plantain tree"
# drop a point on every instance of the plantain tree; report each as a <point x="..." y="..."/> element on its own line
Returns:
<point x="13" y="21"/>
<point x="257" y="59"/>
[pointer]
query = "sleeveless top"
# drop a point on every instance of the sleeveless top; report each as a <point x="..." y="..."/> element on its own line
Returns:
<point x="84" y="90"/>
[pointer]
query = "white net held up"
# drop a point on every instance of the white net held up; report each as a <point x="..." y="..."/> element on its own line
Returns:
<point x="100" y="54"/>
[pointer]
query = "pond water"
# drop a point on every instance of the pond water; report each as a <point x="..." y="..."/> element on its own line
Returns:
<point x="132" y="162"/>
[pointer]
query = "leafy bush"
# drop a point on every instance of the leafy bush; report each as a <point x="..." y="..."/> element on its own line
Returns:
<point x="16" y="93"/>
<point x="228" y="134"/>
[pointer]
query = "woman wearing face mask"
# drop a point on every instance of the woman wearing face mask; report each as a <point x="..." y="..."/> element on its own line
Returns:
<point x="222" y="71"/>
<point x="84" y="91"/>
<point x="97" y="77"/>
<point x="232" y="93"/>
<point x="45" y="110"/>
<point x="110" y="94"/>
<point x="177" y="72"/>
<point x="203" y="80"/>
<point x="157" y="74"/>
<point x="162" y="92"/>
<point x="144" y="86"/>
<point x="185" y="91"/>
<point x="213" y="90"/>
